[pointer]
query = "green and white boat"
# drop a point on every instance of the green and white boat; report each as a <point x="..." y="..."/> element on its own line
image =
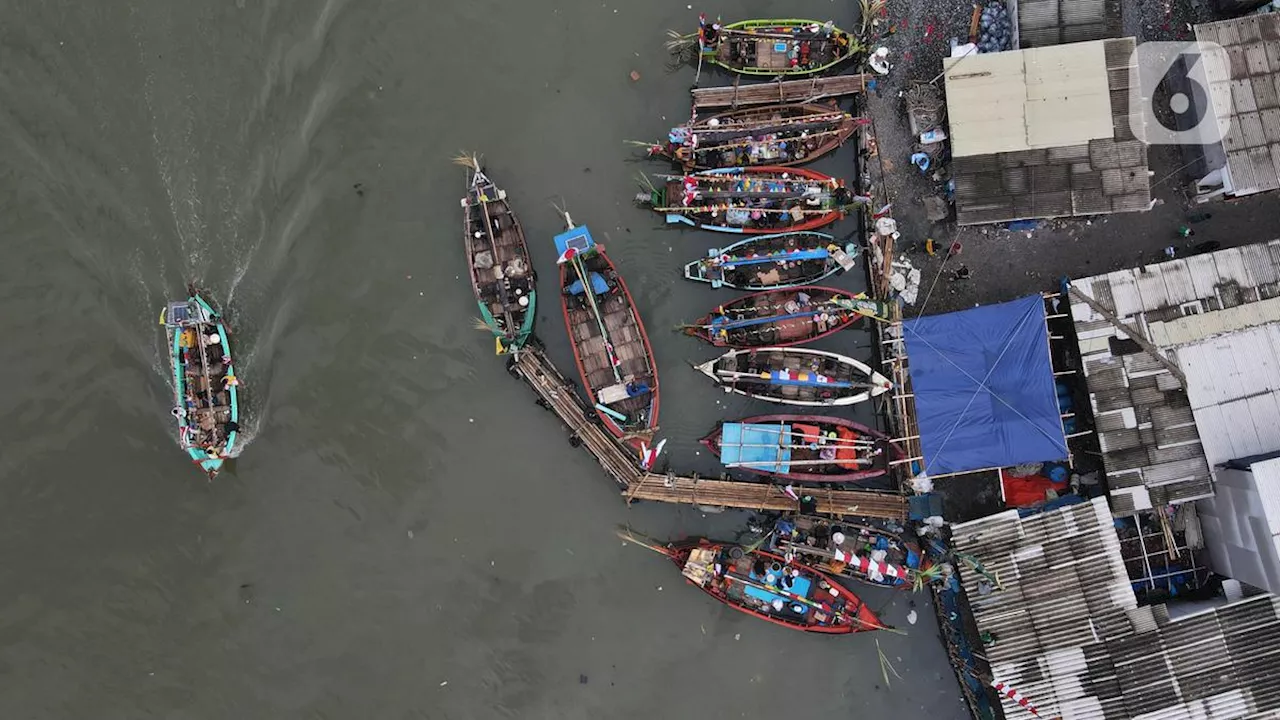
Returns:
<point x="206" y="390"/>
<point x="498" y="260"/>
<point x="787" y="47"/>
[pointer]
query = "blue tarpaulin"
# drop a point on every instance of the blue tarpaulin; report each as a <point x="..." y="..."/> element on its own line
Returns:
<point x="757" y="446"/>
<point x="984" y="389"/>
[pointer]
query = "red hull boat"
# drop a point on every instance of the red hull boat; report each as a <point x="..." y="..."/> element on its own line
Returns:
<point x="804" y="448"/>
<point x="610" y="345"/>
<point x="766" y="586"/>
<point x="775" y="318"/>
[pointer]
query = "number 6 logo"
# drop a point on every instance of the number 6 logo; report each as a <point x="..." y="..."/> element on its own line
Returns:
<point x="1180" y="93"/>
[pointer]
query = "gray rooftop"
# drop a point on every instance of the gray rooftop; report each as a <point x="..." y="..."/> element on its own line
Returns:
<point x="1055" y="22"/>
<point x="1250" y="98"/>
<point x="1072" y="640"/>
<point x="1101" y="176"/>
<point x="1212" y="315"/>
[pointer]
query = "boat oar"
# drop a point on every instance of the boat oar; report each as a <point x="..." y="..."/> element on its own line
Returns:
<point x="836" y="443"/>
<point x="590" y="294"/>
<point x="631" y="536"/>
<point x="718" y="208"/>
<point x="793" y="463"/>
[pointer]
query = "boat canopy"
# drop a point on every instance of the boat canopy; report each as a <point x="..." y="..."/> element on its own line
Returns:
<point x="598" y="285"/>
<point x="762" y="447"/>
<point x="183" y="313"/>
<point x="578" y="239"/>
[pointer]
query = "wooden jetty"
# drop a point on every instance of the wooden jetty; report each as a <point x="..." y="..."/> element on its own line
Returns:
<point x="557" y="394"/>
<point x="765" y="496"/>
<point x="781" y="91"/>
<point x="621" y="463"/>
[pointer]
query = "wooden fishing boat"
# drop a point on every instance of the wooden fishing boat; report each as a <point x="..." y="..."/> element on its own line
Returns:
<point x="775" y="318"/>
<point x="206" y="390"/>
<point x="790" y="47"/>
<point x="880" y="556"/>
<point x="773" y="262"/>
<point x="778" y="135"/>
<point x="765" y="585"/>
<point x="754" y="200"/>
<point x="796" y="376"/>
<point x="803" y="448"/>
<point x="609" y="342"/>
<point x="502" y="275"/>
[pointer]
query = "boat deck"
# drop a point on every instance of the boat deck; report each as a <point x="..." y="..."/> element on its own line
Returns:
<point x="784" y="91"/>
<point x="620" y="463"/>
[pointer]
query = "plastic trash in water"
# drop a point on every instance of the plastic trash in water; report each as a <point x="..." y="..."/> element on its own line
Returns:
<point x="920" y="160"/>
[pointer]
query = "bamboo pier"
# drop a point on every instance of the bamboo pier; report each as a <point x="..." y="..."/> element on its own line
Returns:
<point x="783" y="91"/>
<point x="557" y="394"/>
<point x="765" y="496"/>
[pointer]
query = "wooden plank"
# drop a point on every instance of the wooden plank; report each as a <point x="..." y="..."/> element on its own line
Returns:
<point x="770" y="93"/>
<point x="763" y="496"/>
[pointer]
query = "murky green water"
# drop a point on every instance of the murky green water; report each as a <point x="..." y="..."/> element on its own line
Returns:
<point x="405" y="534"/>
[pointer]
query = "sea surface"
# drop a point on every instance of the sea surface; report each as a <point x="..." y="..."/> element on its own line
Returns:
<point x="404" y="534"/>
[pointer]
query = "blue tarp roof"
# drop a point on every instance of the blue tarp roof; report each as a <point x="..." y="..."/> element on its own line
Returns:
<point x="757" y="446"/>
<point x="984" y="388"/>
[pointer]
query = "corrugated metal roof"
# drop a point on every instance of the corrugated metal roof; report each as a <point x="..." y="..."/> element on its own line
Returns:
<point x="1101" y="175"/>
<point x="1020" y="100"/>
<point x="1053" y="22"/>
<point x="1211" y="316"/>
<point x="1072" y="640"/>
<point x="1248" y="98"/>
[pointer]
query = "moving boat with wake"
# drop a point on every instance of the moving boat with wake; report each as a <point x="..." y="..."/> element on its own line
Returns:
<point x="502" y="275"/>
<point x="206" y="390"/>
<point x="796" y="376"/>
<point x="610" y="345"/>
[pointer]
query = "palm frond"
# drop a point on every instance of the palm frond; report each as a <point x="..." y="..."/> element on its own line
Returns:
<point x="467" y="160"/>
<point x="480" y="324"/>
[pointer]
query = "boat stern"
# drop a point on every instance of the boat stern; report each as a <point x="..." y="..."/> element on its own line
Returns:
<point x="211" y="466"/>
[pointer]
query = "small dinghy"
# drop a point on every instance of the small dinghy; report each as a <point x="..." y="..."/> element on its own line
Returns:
<point x="206" y="394"/>
<point x="788" y="47"/>
<point x="753" y="200"/>
<point x="767" y="586"/>
<point x="773" y="262"/>
<point x="775" y="318"/>
<point x="498" y="259"/>
<point x="779" y="135"/>
<point x="877" y="556"/>
<point x="609" y="342"/>
<point x="796" y="376"/>
<point x="803" y="448"/>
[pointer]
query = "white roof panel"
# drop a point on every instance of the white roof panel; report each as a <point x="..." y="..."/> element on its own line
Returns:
<point x="1044" y="97"/>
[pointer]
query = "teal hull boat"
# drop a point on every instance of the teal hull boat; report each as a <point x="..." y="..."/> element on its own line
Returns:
<point x="502" y="275"/>
<point x="206" y="391"/>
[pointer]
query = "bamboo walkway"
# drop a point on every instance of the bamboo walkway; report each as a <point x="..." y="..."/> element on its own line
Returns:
<point x="620" y="463"/>
<point x="557" y="394"/>
<point x="782" y="91"/>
